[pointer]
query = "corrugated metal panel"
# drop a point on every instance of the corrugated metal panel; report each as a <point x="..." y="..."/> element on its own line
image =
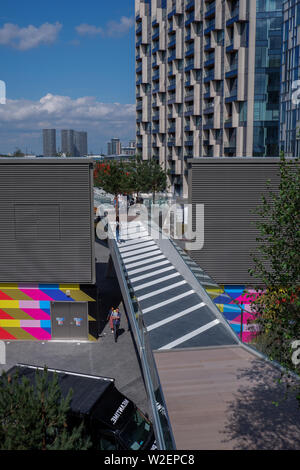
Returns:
<point x="46" y="226"/>
<point x="229" y="192"/>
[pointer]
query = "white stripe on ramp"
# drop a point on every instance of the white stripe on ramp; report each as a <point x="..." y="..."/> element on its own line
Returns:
<point x="146" y="255"/>
<point x="136" y="246"/>
<point x="174" y="317"/>
<point x="138" y="252"/>
<point x="160" y="291"/>
<point x="150" y="266"/>
<point x="157" y="281"/>
<point x="146" y="261"/>
<point x="168" y="302"/>
<point x="185" y="338"/>
<point x="134" y="241"/>
<point x="154" y="273"/>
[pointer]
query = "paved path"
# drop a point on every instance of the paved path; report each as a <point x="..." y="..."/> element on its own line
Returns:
<point x="104" y="357"/>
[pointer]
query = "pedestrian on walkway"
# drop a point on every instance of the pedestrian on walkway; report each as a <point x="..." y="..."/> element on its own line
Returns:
<point x="117" y="230"/>
<point x="116" y="319"/>
<point x="110" y="318"/>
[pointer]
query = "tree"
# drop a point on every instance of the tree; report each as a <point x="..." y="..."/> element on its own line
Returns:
<point x="34" y="416"/>
<point x="155" y="177"/>
<point x="118" y="177"/>
<point x="114" y="177"/>
<point x="277" y="265"/>
<point x="137" y="175"/>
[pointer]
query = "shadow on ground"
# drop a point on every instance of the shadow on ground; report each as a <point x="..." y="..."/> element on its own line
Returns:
<point x="254" y="421"/>
<point x="109" y="293"/>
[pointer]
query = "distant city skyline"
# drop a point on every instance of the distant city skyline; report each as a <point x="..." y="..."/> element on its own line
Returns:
<point x="48" y="43"/>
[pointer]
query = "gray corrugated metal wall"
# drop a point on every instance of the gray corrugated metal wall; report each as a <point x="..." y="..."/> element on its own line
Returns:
<point x="229" y="191"/>
<point x="46" y="222"/>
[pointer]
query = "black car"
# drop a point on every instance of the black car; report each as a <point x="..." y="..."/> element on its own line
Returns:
<point x="112" y="420"/>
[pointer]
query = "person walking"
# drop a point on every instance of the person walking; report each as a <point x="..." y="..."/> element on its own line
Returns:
<point x="116" y="320"/>
<point x="117" y="230"/>
<point x="110" y="318"/>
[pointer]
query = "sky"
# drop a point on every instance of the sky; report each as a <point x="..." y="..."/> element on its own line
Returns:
<point x="67" y="65"/>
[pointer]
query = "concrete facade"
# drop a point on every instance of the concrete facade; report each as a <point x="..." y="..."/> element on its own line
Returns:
<point x="290" y="76"/>
<point x="207" y="81"/>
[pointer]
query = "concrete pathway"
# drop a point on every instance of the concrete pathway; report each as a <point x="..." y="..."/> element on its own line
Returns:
<point x="104" y="357"/>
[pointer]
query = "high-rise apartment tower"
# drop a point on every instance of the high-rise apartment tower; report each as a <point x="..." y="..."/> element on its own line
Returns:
<point x="67" y="142"/>
<point x="74" y="143"/>
<point x="49" y="142"/>
<point x="114" y="147"/>
<point x="207" y="80"/>
<point x="290" y="80"/>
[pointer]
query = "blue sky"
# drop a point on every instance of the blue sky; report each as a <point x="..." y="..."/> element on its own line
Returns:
<point x="74" y="56"/>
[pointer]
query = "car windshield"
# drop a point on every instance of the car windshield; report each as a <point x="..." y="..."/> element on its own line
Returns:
<point x="136" y="432"/>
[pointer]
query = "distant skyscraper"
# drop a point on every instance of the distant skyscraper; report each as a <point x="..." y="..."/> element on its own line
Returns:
<point x="67" y="142"/>
<point x="80" y="143"/>
<point x="74" y="143"/>
<point x="49" y="142"/>
<point x="114" y="147"/>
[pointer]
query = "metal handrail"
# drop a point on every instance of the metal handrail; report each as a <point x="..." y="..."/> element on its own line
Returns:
<point x="140" y="334"/>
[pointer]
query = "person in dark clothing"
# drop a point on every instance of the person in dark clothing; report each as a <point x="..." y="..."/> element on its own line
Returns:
<point x="117" y="230"/>
<point x="116" y="320"/>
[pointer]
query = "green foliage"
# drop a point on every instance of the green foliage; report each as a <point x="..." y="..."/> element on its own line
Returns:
<point x="138" y="168"/>
<point x="277" y="314"/>
<point x="113" y="177"/>
<point x="34" y="417"/>
<point x="117" y="177"/>
<point x="155" y="177"/>
<point x="277" y="265"/>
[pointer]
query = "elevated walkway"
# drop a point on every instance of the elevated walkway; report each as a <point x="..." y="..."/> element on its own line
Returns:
<point x="207" y="390"/>
<point x="176" y="314"/>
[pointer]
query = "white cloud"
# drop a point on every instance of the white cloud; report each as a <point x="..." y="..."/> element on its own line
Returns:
<point x="112" y="29"/>
<point x="88" y="30"/>
<point x="115" y="28"/>
<point x="30" y="36"/>
<point x="22" y="121"/>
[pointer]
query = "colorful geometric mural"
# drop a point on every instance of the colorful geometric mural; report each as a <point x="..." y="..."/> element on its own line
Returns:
<point x="234" y="303"/>
<point x="25" y="309"/>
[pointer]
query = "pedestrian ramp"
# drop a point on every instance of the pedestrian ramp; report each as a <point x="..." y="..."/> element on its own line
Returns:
<point x="175" y="312"/>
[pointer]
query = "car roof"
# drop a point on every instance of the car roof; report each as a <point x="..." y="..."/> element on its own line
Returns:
<point x="87" y="389"/>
